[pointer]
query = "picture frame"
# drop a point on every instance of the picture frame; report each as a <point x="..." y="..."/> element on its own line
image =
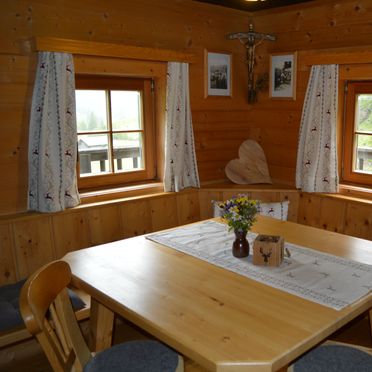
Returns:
<point x="283" y="74"/>
<point x="218" y="74"/>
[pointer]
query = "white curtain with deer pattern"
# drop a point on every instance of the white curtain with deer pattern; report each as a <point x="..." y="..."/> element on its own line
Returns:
<point x="53" y="135"/>
<point x="317" y="169"/>
<point x="180" y="160"/>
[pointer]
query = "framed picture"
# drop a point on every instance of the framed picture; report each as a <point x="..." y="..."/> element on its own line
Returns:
<point x="283" y="75"/>
<point x="217" y="74"/>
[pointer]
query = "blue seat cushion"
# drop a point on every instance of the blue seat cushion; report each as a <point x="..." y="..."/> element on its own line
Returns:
<point x="10" y="316"/>
<point x="334" y="358"/>
<point x="135" y="356"/>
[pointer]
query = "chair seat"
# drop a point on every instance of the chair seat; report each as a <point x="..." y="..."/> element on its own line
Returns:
<point x="135" y="356"/>
<point x="334" y="358"/>
<point x="10" y="316"/>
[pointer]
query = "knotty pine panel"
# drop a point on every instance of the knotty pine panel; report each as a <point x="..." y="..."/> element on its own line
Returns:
<point x="344" y="12"/>
<point x="282" y="174"/>
<point x="105" y="224"/>
<point x="118" y="66"/>
<point x="341" y="215"/>
<point x="28" y="241"/>
<point x="215" y="144"/>
<point x="17" y="69"/>
<point x="280" y="155"/>
<point x="206" y="198"/>
<point x="277" y="136"/>
<point x="275" y="131"/>
<point x="220" y="155"/>
<point x="182" y="25"/>
<point x="356" y="72"/>
<point x="202" y="126"/>
<point x="332" y="214"/>
<point x="8" y="268"/>
<point x="293" y="198"/>
<point x="188" y="207"/>
<point x="213" y="136"/>
<point x="358" y="220"/>
<point x="15" y="96"/>
<point x="164" y="212"/>
<point x="211" y="170"/>
<point x="257" y="113"/>
<point x="326" y="16"/>
<point x="33" y="244"/>
<point x="71" y="231"/>
<point x="136" y="217"/>
<point x="308" y="209"/>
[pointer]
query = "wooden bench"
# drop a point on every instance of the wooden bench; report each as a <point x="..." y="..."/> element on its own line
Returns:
<point x="19" y="334"/>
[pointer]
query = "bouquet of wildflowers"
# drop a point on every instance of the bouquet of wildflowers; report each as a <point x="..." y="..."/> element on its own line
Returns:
<point x="239" y="212"/>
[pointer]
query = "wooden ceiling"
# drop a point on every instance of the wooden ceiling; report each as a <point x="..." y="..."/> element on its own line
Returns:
<point x="252" y="6"/>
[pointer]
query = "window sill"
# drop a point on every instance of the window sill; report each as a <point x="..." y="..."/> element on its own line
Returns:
<point x="353" y="193"/>
<point x="91" y="197"/>
<point x="356" y="191"/>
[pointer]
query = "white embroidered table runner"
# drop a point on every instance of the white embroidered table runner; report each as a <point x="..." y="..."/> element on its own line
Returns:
<point x="328" y="280"/>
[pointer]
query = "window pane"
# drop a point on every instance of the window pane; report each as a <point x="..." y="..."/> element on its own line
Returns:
<point x="128" y="151"/>
<point x="363" y="161"/>
<point x="91" y="110"/>
<point x="93" y="154"/>
<point x="126" y="110"/>
<point x="364" y="113"/>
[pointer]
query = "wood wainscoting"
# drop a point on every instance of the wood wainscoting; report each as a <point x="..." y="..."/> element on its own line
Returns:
<point x="30" y="240"/>
<point x="342" y="214"/>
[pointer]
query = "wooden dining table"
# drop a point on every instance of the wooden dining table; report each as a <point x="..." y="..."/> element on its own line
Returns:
<point x="221" y="320"/>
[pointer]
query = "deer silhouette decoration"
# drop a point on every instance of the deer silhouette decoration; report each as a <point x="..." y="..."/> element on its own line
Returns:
<point x="265" y="255"/>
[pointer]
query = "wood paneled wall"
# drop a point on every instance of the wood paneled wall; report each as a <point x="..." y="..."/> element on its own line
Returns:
<point x="318" y="25"/>
<point x="221" y="124"/>
<point x="182" y="25"/>
<point x="343" y="215"/>
<point x="29" y="241"/>
<point x="324" y="25"/>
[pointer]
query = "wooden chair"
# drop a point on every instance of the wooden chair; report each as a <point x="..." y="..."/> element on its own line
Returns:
<point x="48" y="315"/>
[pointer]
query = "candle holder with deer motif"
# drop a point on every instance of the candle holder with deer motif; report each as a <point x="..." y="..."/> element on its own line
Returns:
<point x="268" y="250"/>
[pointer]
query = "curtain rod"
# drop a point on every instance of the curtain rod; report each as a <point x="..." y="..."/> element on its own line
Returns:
<point x="96" y="48"/>
<point x="342" y="55"/>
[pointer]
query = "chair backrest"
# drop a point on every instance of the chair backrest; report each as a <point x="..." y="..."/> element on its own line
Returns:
<point x="47" y="312"/>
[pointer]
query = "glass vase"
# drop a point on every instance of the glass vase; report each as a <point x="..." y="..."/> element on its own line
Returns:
<point x="240" y="247"/>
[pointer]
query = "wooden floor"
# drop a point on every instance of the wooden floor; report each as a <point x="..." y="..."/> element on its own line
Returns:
<point x="28" y="357"/>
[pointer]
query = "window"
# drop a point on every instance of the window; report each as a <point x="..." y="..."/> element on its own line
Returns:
<point x="115" y="130"/>
<point x="357" y="141"/>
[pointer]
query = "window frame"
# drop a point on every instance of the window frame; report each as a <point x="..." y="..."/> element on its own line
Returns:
<point x="352" y="89"/>
<point x="112" y="83"/>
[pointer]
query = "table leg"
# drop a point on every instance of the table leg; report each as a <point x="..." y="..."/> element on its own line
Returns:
<point x="101" y="326"/>
<point x="283" y="369"/>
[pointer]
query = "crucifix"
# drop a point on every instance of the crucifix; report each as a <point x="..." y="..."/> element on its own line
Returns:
<point x="251" y="40"/>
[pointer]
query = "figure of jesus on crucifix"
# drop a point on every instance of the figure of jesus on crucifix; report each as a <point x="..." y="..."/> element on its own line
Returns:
<point x="251" y="40"/>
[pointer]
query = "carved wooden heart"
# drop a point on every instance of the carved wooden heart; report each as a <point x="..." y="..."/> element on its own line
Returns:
<point x="251" y="167"/>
